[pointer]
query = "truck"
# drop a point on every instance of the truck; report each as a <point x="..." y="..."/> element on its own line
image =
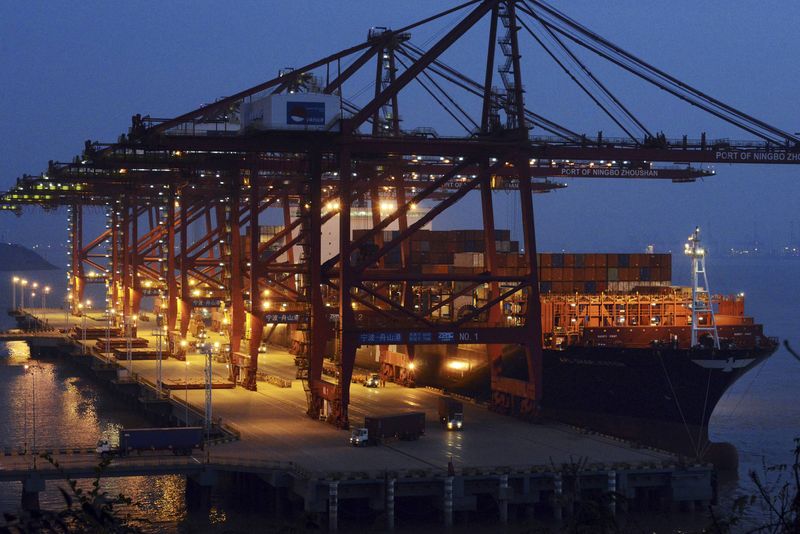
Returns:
<point x="178" y="440"/>
<point x="451" y="413"/>
<point x="407" y="426"/>
<point x="372" y="381"/>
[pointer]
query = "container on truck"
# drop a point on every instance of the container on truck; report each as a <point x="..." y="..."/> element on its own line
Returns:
<point x="178" y="440"/>
<point x="451" y="413"/>
<point x="407" y="426"/>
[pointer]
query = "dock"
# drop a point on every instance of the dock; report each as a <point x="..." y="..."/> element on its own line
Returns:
<point x="312" y="462"/>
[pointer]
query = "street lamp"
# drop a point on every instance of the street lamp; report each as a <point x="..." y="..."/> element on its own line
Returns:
<point x="109" y="315"/>
<point x="34" y="287"/>
<point x="45" y="292"/>
<point x="206" y="347"/>
<point x="33" y="309"/>
<point x="14" y="282"/>
<point x="186" y="392"/>
<point x="159" y="333"/>
<point x="84" y="309"/>
<point x="130" y="324"/>
<point x="22" y="283"/>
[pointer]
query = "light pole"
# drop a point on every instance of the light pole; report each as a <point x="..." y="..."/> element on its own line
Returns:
<point x="22" y="284"/>
<point x="186" y="392"/>
<point x="84" y="309"/>
<point x="14" y="282"/>
<point x="206" y="348"/>
<point x="34" y="287"/>
<point x="159" y="333"/>
<point x="109" y="315"/>
<point x="33" y="309"/>
<point x="45" y="292"/>
<point x="130" y="324"/>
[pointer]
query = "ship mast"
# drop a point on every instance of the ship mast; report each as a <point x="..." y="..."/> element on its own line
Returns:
<point x="702" y="308"/>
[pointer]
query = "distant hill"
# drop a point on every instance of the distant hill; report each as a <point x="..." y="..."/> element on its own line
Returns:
<point x="18" y="258"/>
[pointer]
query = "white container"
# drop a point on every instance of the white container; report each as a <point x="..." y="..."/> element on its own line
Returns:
<point x="292" y="111"/>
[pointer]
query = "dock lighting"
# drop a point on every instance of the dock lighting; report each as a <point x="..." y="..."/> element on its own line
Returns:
<point x="196" y="293"/>
<point x="386" y="206"/>
<point x="458" y="365"/>
<point x="265" y="305"/>
<point x="412" y="365"/>
<point x="14" y="282"/>
<point x="412" y="206"/>
<point x="186" y="388"/>
<point x="35" y="285"/>
<point x="265" y="293"/>
<point x="148" y="283"/>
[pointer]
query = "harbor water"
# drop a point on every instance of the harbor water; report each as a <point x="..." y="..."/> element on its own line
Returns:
<point x="760" y="415"/>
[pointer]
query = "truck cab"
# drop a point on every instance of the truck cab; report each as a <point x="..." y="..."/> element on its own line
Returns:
<point x="104" y="448"/>
<point x="359" y="437"/>
<point x="451" y="413"/>
<point x="372" y="381"/>
<point x="455" y="421"/>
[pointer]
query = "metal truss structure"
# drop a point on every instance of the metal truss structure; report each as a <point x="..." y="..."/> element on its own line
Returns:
<point x="185" y="197"/>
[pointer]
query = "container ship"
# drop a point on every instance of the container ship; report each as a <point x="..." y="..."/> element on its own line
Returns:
<point x="626" y="352"/>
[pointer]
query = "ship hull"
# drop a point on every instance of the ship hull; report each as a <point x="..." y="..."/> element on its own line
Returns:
<point x="661" y="397"/>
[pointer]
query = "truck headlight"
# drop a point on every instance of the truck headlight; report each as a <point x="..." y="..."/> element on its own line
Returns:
<point x="459" y="424"/>
<point x="450" y="424"/>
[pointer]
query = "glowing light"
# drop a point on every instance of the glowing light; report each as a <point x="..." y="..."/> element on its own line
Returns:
<point x="412" y="365"/>
<point x="458" y="365"/>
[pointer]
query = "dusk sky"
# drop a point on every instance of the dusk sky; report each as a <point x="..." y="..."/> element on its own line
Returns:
<point x="79" y="70"/>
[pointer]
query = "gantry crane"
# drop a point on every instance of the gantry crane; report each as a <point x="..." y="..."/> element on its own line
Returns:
<point x="218" y="169"/>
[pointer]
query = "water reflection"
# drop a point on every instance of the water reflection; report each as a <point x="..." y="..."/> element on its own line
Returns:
<point x="71" y="412"/>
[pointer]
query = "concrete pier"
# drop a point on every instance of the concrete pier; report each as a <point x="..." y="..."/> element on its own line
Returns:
<point x="390" y="484"/>
<point x="502" y="498"/>
<point x="32" y="485"/>
<point x="309" y="466"/>
<point x="333" y="506"/>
